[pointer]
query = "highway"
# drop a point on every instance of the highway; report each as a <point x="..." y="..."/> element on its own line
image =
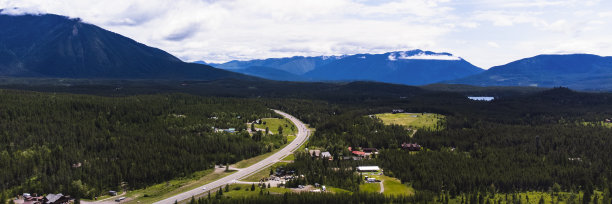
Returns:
<point x="300" y="138"/>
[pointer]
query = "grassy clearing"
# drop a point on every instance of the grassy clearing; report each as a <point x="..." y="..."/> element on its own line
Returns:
<point x="370" y="187"/>
<point x="244" y="190"/>
<point x="608" y="125"/>
<point x="164" y="190"/>
<point x="338" y="190"/>
<point x="263" y="173"/>
<point x="273" y="124"/>
<point x="413" y="120"/>
<point x="394" y="186"/>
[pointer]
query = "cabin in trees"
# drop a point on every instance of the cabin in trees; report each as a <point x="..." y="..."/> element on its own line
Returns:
<point x="314" y="153"/>
<point x="48" y="199"/>
<point x="394" y="111"/>
<point x="411" y="146"/>
<point x="370" y="151"/>
<point x="326" y="155"/>
<point x="359" y="153"/>
<point x="608" y="120"/>
<point x="56" y="199"/>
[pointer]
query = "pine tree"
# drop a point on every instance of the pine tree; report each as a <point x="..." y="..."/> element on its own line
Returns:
<point x="252" y="187"/>
<point x="226" y="187"/>
<point x="3" y="198"/>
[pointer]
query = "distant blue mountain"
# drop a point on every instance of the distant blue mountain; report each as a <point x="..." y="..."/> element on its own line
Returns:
<point x="576" y="71"/>
<point x="297" y="65"/>
<point x="414" y="67"/>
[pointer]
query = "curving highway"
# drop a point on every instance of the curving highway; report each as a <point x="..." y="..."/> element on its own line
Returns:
<point x="300" y="138"/>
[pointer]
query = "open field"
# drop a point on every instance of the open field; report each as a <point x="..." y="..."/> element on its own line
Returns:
<point x="394" y="186"/>
<point x="370" y="187"/>
<point x="274" y="123"/>
<point x="164" y="190"/>
<point x="337" y="190"/>
<point x="412" y="120"/>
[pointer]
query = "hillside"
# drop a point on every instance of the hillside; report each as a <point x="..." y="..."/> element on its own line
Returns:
<point x="576" y="71"/>
<point x="57" y="46"/>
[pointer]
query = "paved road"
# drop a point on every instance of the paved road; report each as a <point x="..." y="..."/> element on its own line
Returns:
<point x="301" y="137"/>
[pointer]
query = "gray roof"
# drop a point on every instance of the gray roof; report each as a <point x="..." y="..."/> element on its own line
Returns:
<point x="53" y="197"/>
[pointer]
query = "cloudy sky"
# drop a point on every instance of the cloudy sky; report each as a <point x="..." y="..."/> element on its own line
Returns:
<point x="484" y="32"/>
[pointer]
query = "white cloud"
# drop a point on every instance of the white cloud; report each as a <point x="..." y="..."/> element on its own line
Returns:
<point x="223" y="30"/>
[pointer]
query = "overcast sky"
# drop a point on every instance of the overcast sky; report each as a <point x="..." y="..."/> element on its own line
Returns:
<point x="484" y="32"/>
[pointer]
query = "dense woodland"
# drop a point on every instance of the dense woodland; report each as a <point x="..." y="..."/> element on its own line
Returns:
<point x="532" y="141"/>
<point x="85" y="145"/>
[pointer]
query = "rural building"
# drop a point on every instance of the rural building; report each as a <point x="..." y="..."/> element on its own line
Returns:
<point x="608" y="121"/>
<point x="56" y="199"/>
<point x="27" y="199"/>
<point x="394" y="111"/>
<point x="359" y="153"/>
<point x="411" y="146"/>
<point x="112" y="193"/>
<point x="368" y="168"/>
<point x="230" y="130"/>
<point x="315" y="153"/>
<point x="326" y="155"/>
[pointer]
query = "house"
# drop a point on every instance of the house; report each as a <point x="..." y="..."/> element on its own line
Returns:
<point x="56" y="199"/>
<point x="33" y="200"/>
<point x="370" y="150"/>
<point x="326" y="155"/>
<point x="608" y="121"/>
<point x="230" y="130"/>
<point x="359" y="153"/>
<point x="368" y="168"/>
<point x="315" y="153"/>
<point x="411" y="146"/>
<point x="112" y="193"/>
<point x="394" y="111"/>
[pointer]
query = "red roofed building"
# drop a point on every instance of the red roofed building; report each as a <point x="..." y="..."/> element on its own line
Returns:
<point x="359" y="153"/>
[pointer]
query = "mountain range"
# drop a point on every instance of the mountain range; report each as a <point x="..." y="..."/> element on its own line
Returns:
<point x="60" y="47"/>
<point x="53" y="46"/>
<point x="415" y="67"/>
<point x="576" y="71"/>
